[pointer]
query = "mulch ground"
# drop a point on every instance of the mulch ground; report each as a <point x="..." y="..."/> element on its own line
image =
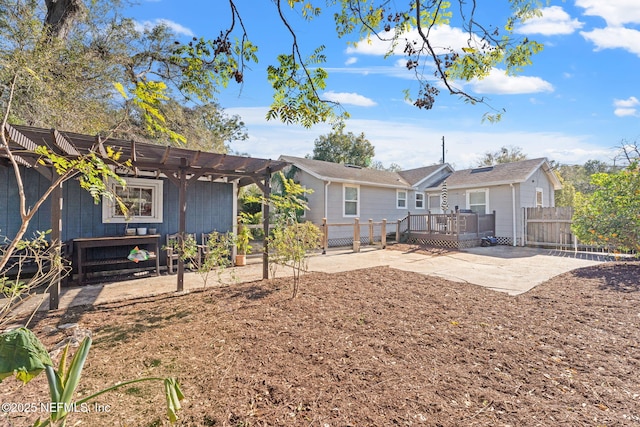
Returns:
<point x="372" y="347"/>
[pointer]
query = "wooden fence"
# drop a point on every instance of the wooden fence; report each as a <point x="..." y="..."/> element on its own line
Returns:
<point x="352" y="234"/>
<point x="549" y="227"/>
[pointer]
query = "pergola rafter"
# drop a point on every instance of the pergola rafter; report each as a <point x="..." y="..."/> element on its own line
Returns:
<point x="180" y="165"/>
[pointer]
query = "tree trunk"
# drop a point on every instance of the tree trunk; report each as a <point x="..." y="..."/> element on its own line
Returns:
<point x="62" y="15"/>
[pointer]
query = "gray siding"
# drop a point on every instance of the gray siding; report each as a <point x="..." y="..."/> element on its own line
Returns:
<point x="315" y="200"/>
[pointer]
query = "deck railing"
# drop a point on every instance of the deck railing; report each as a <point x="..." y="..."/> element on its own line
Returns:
<point x="452" y="224"/>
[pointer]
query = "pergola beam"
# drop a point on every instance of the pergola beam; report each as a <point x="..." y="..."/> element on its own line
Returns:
<point x="181" y="166"/>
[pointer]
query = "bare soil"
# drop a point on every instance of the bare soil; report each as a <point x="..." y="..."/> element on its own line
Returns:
<point x="373" y="347"/>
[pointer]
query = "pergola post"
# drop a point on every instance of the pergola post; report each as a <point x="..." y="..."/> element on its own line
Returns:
<point x="56" y="240"/>
<point x="265" y="249"/>
<point x="182" y="220"/>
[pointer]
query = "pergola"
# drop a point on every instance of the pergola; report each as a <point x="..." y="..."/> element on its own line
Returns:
<point x="180" y="165"/>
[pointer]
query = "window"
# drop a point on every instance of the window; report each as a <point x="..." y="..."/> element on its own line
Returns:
<point x="434" y="203"/>
<point x="351" y="204"/>
<point x="142" y="197"/>
<point x="539" y="197"/>
<point x="419" y="200"/>
<point x="401" y="199"/>
<point x="478" y="201"/>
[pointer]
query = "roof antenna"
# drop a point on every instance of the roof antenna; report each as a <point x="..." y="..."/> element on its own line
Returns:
<point x="443" y="149"/>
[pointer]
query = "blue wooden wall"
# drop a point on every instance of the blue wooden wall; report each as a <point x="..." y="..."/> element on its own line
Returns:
<point x="209" y="207"/>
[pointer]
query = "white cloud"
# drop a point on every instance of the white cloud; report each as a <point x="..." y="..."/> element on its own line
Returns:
<point x="498" y="82"/>
<point x="626" y="107"/>
<point x="412" y="144"/>
<point x="614" y="38"/>
<point x="351" y="60"/>
<point x="631" y="102"/>
<point x="554" y="21"/>
<point x="443" y="38"/>
<point x="173" y="26"/>
<point x="615" y="12"/>
<point x="349" y="98"/>
<point x="398" y="70"/>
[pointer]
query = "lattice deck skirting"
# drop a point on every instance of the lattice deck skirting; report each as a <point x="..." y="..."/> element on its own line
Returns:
<point x="449" y="244"/>
<point x="348" y="241"/>
<point x="454" y="244"/>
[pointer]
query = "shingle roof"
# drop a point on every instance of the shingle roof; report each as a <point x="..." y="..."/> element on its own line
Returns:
<point x="328" y="171"/>
<point x="413" y="176"/>
<point x="504" y="173"/>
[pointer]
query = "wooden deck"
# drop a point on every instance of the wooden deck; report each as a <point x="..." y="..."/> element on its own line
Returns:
<point x="455" y="230"/>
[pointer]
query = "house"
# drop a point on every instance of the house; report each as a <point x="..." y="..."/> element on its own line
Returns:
<point x="342" y="193"/>
<point x="169" y="189"/>
<point x="505" y="189"/>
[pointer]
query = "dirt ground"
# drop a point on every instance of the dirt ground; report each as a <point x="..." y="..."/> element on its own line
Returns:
<point x="372" y="347"/>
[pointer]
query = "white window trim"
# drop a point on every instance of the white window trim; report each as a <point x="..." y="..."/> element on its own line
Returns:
<point x="108" y="205"/>
<point x="406" y="197"/>
<point x="486" y="198"/>
<point x="539" y="190"/>
<point x="344" y="200"/>
<point x="419" y="193"/>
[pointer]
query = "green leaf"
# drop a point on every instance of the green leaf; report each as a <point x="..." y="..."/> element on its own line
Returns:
<point x="22" y="354"/>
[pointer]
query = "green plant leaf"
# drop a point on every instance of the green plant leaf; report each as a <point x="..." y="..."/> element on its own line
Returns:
<point x="22" y="354"/>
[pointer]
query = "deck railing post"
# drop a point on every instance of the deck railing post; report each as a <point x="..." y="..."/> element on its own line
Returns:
<point x="370" y="231"/>
<point x="325" y="235"/>
<point x="356" y="235"/>
<point x="398" y="231"/>
<point x="383" y="234"/>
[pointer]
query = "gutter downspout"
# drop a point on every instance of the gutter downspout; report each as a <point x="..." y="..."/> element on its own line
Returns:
<point x="513" y="213"/>
<point x="326" y="199"/>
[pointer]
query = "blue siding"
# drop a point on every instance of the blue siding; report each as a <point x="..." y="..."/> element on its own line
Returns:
<point x="34" y="185"/>
<point x="209" y="207"/>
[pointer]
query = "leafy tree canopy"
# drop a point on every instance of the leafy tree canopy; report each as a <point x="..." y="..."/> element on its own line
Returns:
<point x="82" y="66"/>
<point x="74" y="61"/>
<point x="579" y="176"/>
<point x="346" y="148"/>
<point x="609" y="216"/>
<point x="503" y="155"/>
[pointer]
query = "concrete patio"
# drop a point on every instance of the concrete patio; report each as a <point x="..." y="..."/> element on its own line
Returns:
<point x="513" y="270"/>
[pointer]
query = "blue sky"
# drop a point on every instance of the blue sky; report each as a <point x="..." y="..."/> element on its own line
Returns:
<point x="578" y="101"/>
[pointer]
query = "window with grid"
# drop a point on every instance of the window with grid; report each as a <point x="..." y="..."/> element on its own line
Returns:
<point x="351" y="203"/>
<point x="401" y="199"/>
<point x="477" y="201"/>
<point x="141" y="197"/>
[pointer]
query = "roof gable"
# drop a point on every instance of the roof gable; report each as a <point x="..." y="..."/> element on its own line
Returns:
<point x="503" y="173"/>
<point x="418" y="176"/>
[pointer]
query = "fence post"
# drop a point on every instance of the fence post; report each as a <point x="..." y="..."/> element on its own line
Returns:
<point x="325" y="236"/>
<point x="370" y="231"/>
<point x="383" y="234"/>
<point x="356" y="235"/>
<point x="398" y="231"/>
